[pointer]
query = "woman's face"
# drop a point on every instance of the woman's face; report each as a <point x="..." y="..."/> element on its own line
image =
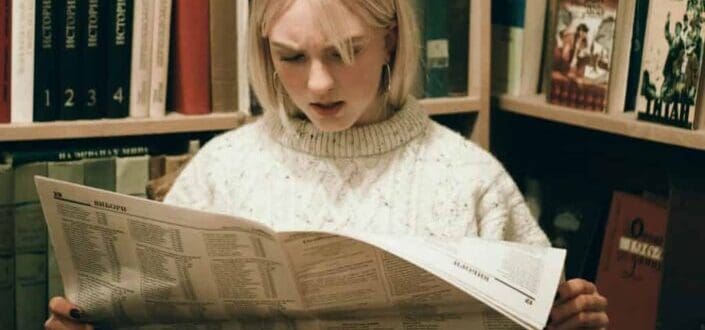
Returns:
<point x="333" y="95"/>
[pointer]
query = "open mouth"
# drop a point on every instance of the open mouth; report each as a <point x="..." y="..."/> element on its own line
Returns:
<point x="328" y="108"/>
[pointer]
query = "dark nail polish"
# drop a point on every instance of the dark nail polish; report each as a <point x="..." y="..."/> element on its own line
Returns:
<point x="75" y="313"/>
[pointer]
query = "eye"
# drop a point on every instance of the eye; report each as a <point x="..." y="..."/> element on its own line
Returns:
<point x="337" y="55"/>
<point x="292" y="58"/>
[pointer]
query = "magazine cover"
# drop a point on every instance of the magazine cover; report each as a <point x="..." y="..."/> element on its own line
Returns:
<point x="670" y="68"/>
<point x="582" y="53"/>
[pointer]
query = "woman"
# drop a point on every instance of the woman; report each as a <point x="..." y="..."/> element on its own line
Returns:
<point x="342" y="145"/>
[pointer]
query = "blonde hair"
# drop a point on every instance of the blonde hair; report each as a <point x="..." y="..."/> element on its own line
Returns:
<point x="374" y="13"/>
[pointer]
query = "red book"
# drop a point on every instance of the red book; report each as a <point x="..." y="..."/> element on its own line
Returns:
<point x="5" y="16"/>
<point x="630" y="270"/>
<point x="190" y="69"/>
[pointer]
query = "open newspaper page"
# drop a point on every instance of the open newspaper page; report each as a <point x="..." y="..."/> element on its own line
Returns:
<point x="126" y="260"/>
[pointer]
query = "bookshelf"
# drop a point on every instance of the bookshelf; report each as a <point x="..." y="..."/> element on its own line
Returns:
<point x="624" y="124"/>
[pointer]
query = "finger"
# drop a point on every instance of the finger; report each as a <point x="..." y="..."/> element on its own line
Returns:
<point x="584" y="320"/>
<point x="62" y="307"/>
<point x="581" y="303"/>
<point x="573" y="288"/>
<point x="56" y="322"/>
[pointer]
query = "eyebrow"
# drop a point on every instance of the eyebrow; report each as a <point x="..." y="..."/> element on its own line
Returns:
<point x="280" y="45"/>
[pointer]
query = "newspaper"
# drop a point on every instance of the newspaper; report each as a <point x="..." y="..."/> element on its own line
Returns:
<point x="128" y="261"/>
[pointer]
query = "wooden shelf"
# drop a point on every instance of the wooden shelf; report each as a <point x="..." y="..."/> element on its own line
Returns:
<point x="622" y="124"/>
<point x="172" y="123"/>
<point x="449" y="105"/>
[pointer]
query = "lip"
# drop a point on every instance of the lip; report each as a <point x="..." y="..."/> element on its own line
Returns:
<point x="327" y="109"/>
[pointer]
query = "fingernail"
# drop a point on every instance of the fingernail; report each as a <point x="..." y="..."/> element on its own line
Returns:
<point x="75" y="313"/>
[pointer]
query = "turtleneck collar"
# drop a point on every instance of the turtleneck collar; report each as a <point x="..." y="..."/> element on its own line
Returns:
<point x="378" y="138"/>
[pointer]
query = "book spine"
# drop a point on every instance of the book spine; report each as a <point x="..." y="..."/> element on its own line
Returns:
<point x="507" y="43"/>
<point x="30" y="248"/>
<point x="99" y="173"/>
<point x="191" y="58"/>
<point x="94" y="46"/>
<point x="24" y="157"/>
<point x="458" y="41"/>
<point x="71" y="98"/>
<point x="224" y="66"/>
<point x="119" y="58"/>
<point x="7" y="247"/>
<point x="45" y="61"/>
<point x="7" y="291"/>
<point x="437" y="50"/>
<point x="70" y="171"/>
<point x="640" y="14"/>
<point x="160" y="58"/>
<point x="30" y="290"/>
<point x="141" y="70"/>
<point x="243" y="87"/>
<point x="5" y="23"/>
<point x="22" y="62"/>
<point x="132" y="175"/>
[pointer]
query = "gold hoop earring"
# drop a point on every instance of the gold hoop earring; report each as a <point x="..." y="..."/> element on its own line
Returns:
<point x="388" y="73"/>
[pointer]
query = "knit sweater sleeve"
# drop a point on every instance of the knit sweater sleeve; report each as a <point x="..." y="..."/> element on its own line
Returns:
<point x="503" y="213"/>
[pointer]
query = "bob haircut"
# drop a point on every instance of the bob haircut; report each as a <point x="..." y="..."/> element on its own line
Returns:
<point x="387" y="14"/>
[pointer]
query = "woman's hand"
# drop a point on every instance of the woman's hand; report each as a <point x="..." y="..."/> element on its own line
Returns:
<point x="64" y="315"/>
<point x="579" y="306"/>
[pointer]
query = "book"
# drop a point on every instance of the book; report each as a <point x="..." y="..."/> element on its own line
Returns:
<point x="7" y="247"/>
<point x="641" y="12"/>
<point x="23" y="157"/>
<point x="243" y="86"/>
<point x="94" y="45"/>
<point x="224" y="55"/>
<point x="30" y="249"/>
<point x="69" y="171"/>
<point x="671" y="64"/>
<point x="120" y="14"/>
<point x="46" y="60"/>
<point x="160" y="58"/>
<point x="190" y="61"/>
<point x="71" y="31"/>
<point x="5" y="23"/>
<point x="99" y="173"/>
<point x="237" y="269"/>
<point x="22" y="61"/>
<point x="132" y="175"/>
<point x="517" y="33"/>
<point x="582" y="52"/>
<point x="435" y="40"/>
<point x="621" y="56"/>
<point x="141" y="70"/>
<point x="629" y="272"/>
<point x="458" y="42"/>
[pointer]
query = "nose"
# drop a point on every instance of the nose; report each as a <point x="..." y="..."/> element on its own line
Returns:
<point x="319" y="78"/>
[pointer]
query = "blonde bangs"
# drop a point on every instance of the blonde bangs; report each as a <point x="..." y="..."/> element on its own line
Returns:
<point x="385" y="14"/>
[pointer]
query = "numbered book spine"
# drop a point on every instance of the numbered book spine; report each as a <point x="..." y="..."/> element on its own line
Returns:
<point x="94" y="44"/>
<point x="70" y="63"/>
<point x="22" y="61"/>
<point x="160" y="57"/>
<point x="119" y="57"/>
<point x="46" y="60"/>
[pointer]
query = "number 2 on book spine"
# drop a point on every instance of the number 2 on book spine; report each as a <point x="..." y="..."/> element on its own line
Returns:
<point x="69" y="98"/>
<point x="117" y="96"/>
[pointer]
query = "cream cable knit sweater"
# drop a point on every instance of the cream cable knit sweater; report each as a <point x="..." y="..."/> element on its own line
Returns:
<point x="406" y="175"/>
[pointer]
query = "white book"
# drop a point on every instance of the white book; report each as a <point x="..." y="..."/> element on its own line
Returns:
<point x="160" y="58"/>
<point x="243" y="95"/>
<point x="22" y="62"/>
<point x="140" y="75"/>
<point x="534" y="21"/>
<point x="617" y="90"/>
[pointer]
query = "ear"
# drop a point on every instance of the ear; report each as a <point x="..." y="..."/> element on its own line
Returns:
<point x="390" y="41"/>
